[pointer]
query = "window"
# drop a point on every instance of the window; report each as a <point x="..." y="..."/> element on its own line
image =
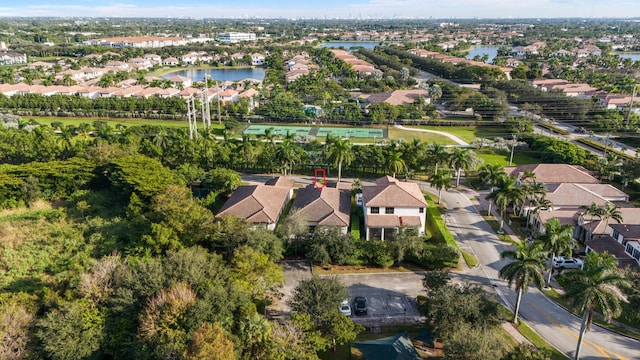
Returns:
<point x="375" y="210"/>
<point x="421" y="210"/>
<point x="388" y="210"/>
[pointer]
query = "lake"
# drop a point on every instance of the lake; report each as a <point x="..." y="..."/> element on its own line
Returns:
<point x="632" y="56"/>
<point x="490" y="50"/>
<point x="349" y="44"/>
<point x="220" y="74"/>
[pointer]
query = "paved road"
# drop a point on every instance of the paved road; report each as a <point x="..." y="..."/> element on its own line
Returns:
<point x="556" y="325"/>
<point x="559" y="327"/>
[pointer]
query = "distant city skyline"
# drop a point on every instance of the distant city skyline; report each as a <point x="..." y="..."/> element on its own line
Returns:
<point x="331" y="9"/>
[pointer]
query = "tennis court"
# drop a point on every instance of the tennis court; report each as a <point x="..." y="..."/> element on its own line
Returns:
<point x="317" y="131"/>
<point x="277" y="130"/>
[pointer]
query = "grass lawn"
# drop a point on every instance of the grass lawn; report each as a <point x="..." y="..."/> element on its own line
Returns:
<point x="422" y="136"/>
<point x="113" y="122"/>
<point x="468" y="133"/>
<point x="503" y="159"/>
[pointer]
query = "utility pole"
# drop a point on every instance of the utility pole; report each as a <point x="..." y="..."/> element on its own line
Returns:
<point x="513" y="146"/>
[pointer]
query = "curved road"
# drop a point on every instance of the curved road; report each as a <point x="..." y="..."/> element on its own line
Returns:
<point x="557" y="326"/>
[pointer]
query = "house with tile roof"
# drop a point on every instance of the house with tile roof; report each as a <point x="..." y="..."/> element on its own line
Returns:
<point x="328" y="206"/>
<point x="260" y="205"/>
<point x="622" y="241"/>
<point x="392" y="204"/>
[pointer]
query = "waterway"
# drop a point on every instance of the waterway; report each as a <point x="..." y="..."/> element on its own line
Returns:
<point x="220" y="74"/>
<point x="490" y="50"/>
<point x="635" y="56"/>
<point x="349" y="44"/>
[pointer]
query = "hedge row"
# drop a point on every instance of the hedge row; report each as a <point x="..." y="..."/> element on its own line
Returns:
<point x="602" y="147"/>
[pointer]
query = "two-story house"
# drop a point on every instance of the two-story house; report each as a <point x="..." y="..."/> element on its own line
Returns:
<point x="392" y="204"/>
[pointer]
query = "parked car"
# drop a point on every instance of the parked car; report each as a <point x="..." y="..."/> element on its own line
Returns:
<point x="345" y="307"/>
<point x="561" y="262"/>
<point x="360" y="305"/>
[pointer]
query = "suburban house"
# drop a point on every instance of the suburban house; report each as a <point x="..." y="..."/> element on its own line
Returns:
<point x="328" y="206"/>
<point x="260" y="205"/>
<point x="622" y="241"/>
<point x="571" y="189"/>
<point x="392" y="204"/>
<point x="11" y="57"/>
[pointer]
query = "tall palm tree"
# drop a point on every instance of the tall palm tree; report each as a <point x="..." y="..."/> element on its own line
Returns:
<point x="340" y="152"/>
<point x="490" y="174"/>
<point x="556" y="240"/>
<point x="462" y="159"/>
<point x="441" y="180"/>
<point x="596" y="288"/>
<point x="527" y="268"/>
<point x="287" y="153"/>
<point x="610" y="211"/>
<point x="506" y="192"/>
<point x="437" y="154"/>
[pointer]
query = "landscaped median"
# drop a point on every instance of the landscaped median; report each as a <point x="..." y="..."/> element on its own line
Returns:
<point x="602" y="147"/>
<point x="434" y="216"/>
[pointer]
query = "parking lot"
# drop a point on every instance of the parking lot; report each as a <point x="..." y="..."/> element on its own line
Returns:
<point x="391" y="297"/>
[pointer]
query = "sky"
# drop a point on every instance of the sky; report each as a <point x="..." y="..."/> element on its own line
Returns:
<point x="462" y="9"/>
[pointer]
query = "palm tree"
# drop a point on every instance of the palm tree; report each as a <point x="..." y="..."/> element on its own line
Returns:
<point x="556" y="240"/>
<point x="527" y="268"/>
<point x="340" y="152"/>
<point x="592" y="210"/>
<point x="437" y="154"/>
<point x="490" y="174"/>
<point x="287" y="153"/>
<point x="596" y="288"/>
<point x="441" y="180"/>
<point x="462" y="159"/>
<point x="506" y="192"/>
<point x="395" y="163"/>
<point x="610" y="211"/>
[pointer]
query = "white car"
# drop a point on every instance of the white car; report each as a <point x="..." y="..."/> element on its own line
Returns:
<point x="345" y="307"/>
<point x="561" y="262"/>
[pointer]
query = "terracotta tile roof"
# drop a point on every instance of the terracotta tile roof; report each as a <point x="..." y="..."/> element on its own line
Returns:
<point x="555" y="173"/>
<point x="605" y="190"/>
<point x="630" y="216"/>
<point x="630" y="232"/>
<point x="390" y="192"/>
<point x="383" y="221"/>
<point x="256" y="203"/>
<point x="326" y="206"/>
<point x="572" y="195"/>
<point x="566" y="217"/>
<point x="281" y="181"/>
<point x="600" y="244"/>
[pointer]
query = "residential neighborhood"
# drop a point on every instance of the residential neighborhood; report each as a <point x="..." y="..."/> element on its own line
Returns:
<point x="208" y="187"/>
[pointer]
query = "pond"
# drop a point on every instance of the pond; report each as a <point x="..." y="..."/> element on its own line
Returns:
<point x="633" y="56"/>
<point x="490" y="50"/>
<point x="349" y="44"/>
<point x="220" y="74"/>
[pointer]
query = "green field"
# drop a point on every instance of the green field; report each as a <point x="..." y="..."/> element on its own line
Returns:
<point x="469" y="133"/>
<point x="503" y="159"/>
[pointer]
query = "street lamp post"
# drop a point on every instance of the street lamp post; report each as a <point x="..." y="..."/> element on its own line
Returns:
<point x="513" y="145"/>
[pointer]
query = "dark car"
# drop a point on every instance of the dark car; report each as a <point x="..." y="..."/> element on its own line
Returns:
<point x="360" y="305"/>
